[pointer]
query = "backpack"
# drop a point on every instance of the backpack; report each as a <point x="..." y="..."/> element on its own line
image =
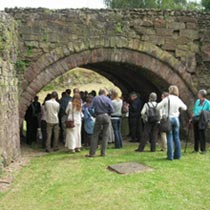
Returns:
<point x="153" y="115"/>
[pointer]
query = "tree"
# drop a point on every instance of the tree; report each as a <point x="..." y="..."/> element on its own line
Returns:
<point x="160" y="4"/>
<point x="206" y="4"/>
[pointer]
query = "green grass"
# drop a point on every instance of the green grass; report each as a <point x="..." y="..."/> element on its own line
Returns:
<point x="62" y="181"/>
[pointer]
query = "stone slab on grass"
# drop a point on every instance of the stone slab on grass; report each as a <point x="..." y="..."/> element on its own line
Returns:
<point x="129" y="168"/>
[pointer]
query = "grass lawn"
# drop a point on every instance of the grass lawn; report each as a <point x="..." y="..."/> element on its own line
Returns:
<point x="61" y="181"/>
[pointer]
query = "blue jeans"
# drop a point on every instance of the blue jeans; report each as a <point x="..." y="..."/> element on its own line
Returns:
<point x="116" y="124"/>
<point x="173" y="140"/>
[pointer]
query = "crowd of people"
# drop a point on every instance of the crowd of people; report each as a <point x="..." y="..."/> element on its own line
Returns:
<point x="88" y="119"/>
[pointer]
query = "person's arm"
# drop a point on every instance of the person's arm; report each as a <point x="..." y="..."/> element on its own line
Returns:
<point x="144" y="109"/>
<point x="68" y="109"/>
<point x="194" y="108"/>
<point x="208" y="109"/>
<point x="111" y="108"/>
<point x="162" y="104"/>
<point x="92" y="106"/>
<point x="183" y="106"/>
<point x="59" y="107"/>
<point x="91" y="109"/>
<point x="45" y="106"/>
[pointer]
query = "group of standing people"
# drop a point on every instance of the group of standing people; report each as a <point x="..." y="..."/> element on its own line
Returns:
<point x="152" y="113"/>
<point x="169" y="108"/>
<point x="96" y="118"/>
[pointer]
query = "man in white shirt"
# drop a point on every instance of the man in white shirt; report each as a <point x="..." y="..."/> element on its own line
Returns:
<point x="52" y="108"/>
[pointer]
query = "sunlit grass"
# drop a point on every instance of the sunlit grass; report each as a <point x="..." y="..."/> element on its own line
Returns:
<point x="62" y="181"/>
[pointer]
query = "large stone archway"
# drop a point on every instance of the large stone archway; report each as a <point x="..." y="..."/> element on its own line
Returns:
<point x="145" y="58"/>
<point x="145" y="50"/>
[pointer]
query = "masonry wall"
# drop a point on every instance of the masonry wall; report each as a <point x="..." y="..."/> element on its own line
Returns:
<point x="9" y="117"/>
<point x="184" y="34"/>
<point x="35" y="32"/>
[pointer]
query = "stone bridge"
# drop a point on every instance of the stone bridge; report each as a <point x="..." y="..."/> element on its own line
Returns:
<point x="142" y="50"/>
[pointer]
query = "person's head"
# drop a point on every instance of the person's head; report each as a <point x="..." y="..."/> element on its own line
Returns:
<point x="63" y="94"/>
<point x="86" y="93"/>
<point x="164" y="95"/>
<point x="89" y="100"/>
<point x="202" y="94"/>
<point x="152" y="97"/>
<point x="76" y="102"/>
<point x="76" y="91"/>
<point x="93" y="93"/>
<point x="82" y="94"/>
<point x="133" y="96"/>
<point x="102" y="92"/>
<point x="68" y="92"/>
<point x="173" y="90"/>
<point x="114" y="94"/>
<point x="47" y="98"/>
<point x="54" y="95"/>
<point x="36" y="99"/>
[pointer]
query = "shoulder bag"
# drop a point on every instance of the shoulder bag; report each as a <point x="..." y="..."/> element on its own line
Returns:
<point x="71" y="123"/>
<point x="165" y="123"/>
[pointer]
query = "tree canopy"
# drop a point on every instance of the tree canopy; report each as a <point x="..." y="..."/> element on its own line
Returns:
<point x="157" y="4"/>
<point x="206" y="4"/>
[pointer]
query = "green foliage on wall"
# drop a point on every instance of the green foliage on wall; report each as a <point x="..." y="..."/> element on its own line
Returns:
<point x="21" y="65"/>
<point x="206" y="4"/>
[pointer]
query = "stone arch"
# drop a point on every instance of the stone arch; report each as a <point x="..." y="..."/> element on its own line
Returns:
<point x="149" y="58"/>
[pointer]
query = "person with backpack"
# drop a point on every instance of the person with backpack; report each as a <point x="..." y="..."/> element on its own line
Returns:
<point x="151" y="117"/>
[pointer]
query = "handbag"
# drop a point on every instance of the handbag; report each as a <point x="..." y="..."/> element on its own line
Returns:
<point x="165" y="123"/>
<point x="196" y="119"/>
<point x="71" y="123"/>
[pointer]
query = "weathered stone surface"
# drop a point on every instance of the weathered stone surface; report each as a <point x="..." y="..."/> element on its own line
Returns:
<point x="160" y="23"/>
<point x="206" y="52"/>
<point x="176" y="25"/>
<point x="191" y="26"/>
<point x="9" y="128"/>
<point x="164" y="32"/>
<point x="192" y="34"/>
<point x="129" y="168"/>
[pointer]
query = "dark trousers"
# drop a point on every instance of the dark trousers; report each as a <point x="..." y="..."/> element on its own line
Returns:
<point x="199" y="137"/>
<point x="31" y="133"/>
<point x="102" y="123"/>
<point x="87" y="139"/>
<point x="135" y="128"/>
<point x="116" y="124"/>
<point x="44" y="132"/>
<point x="150" y="134"/>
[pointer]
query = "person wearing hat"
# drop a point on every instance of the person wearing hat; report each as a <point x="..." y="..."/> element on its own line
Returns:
<point x="201" y="104"/>
<point x="151" y="117"/>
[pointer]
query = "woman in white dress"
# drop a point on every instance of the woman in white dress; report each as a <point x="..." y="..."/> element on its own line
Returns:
<point x="73" y="135"/>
